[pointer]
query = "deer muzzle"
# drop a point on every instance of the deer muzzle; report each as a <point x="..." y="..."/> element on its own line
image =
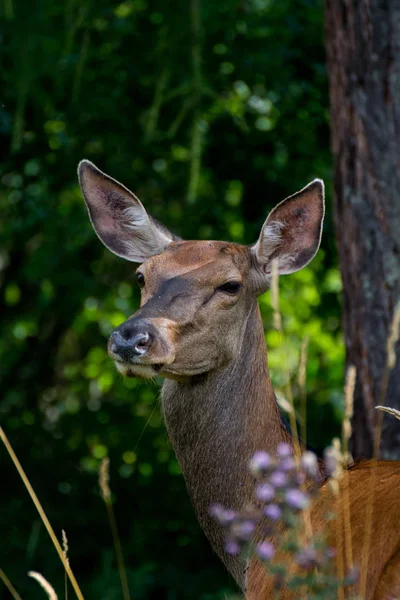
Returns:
<point x="139" y="343"/>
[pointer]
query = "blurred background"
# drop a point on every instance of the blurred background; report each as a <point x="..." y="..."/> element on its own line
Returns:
<point x="211" y="112"/>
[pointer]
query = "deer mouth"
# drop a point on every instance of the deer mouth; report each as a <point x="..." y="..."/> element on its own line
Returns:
<point x="149" y="371"/>
<point x="145" y="371"/>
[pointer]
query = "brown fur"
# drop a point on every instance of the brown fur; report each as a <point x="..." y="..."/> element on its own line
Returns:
<point x="218" y="400"/>
<point x="383" y="581"/>
<point x="216" y="424"/>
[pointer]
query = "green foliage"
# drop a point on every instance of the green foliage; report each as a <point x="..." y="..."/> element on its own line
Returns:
<point x="211" y="117"/>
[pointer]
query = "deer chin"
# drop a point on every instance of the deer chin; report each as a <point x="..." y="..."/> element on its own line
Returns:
<point x="150" y="371"/>
<point x="145" y="370"/>
<point x="138" y="370"/>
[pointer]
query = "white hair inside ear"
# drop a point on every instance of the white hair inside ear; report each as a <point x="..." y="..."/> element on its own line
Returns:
<point x="270" y="241"/>
<point x="292" y="232"/>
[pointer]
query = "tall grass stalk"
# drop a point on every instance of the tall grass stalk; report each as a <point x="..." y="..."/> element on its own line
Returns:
<point x="45" y="584"/>
<point x="346" y="433"/>
<point x="391" y="411"/>
<point x="9" y="585"/>
<point x="339" y="556"/>
<point x="65" y="551"/>
<point x="104" y="478"/>
<point x="279" y="329"/>
<point x="41" y="512"/>
<point x="334" y="484"/>
<point x="390" y="364"/>
<point x="292" y="413"/>
<point x="302" y="381"/>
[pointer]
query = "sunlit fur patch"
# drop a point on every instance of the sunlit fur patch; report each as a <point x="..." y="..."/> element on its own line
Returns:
<point x="145" y="371"/>
<point x="168" y="330"/>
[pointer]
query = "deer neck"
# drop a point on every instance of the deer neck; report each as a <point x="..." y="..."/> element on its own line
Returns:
<point x="216" y="423"/>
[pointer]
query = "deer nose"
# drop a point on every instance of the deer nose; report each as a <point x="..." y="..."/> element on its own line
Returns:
<point x="129" y="341"/>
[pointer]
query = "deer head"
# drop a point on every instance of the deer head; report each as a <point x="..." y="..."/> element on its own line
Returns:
<point x="196" y="295"/>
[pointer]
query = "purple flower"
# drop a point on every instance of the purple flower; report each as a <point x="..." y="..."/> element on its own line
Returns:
<point x="283" y="450"/>
<point x="287" y="464"/>
<point x="232" y="547"/>
<point x="307" y="558"/>
<point x="260" y="462"/>
<point x="243" y="530"/>
<point x="265" y="492"/>
<point x="222" y="515"/>
<point x="265" y="551"/>
<point x="309" y="463"/>
<point x="278" y="479"/>
<point x="300" y="477"/>
<point x="273" y="511"/>
<point x="296" y="499"/>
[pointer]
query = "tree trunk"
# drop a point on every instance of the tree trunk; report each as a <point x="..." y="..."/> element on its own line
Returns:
<point x="363" y="50"/>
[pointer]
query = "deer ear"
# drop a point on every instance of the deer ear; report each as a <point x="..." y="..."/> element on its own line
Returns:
<point x="119" y="218"/>
<point x="292" y="231"/>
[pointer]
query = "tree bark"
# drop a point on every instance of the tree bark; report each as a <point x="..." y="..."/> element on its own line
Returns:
<point x="363" y="52"/>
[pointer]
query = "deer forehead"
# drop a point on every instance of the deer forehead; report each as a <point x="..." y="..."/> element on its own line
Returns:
<point x="200" y="259"/>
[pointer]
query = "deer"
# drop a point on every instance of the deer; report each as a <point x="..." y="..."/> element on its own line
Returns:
<point x="199" y="327"/>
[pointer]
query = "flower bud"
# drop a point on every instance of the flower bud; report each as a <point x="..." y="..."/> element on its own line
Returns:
<point x="222" y="515"/>
<point x="296" y="499"/>
<point x="284" y="450"/>
<point x="232" y="547"/>
<point x="265" y="550"/>
<point x="265" y="492"/>
<point x="278" y="479"/>
<point x="260" y="462"/>
<point x="273" y="512"/>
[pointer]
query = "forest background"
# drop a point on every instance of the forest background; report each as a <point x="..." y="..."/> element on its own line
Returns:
<point x="211" y="113"/>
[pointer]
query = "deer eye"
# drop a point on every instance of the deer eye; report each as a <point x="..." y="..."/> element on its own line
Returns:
<point x="140" y="279"/>
<point x="231" y="287"/>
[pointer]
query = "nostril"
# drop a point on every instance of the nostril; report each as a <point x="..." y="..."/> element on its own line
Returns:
<point x="141" y="343"/>
<point x="126" y="348"/>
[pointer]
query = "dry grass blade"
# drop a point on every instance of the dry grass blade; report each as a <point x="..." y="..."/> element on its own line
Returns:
<point x="291" y="412"/>
<point x="279" y="328"/>
<point x="104" y="478"/>
<point x="333" y="455"/>
<point x="284" y="404"/>
<point x="303" y="362"/>
<point x="275" y="294"/>
<point x="302" y="379"/>
<point x="45" y="584"/>
<point x="65" y="551"/>
<point x="393" y="338"/>
<point x="65" y="545"/>
<point x="41" y="512"/>
<point x="348" y="410"/>
<point x="390" y="411"/>
<point x="339" y="556"/>
<point x="346" y="433"/>
<point x="9" y="585"/>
